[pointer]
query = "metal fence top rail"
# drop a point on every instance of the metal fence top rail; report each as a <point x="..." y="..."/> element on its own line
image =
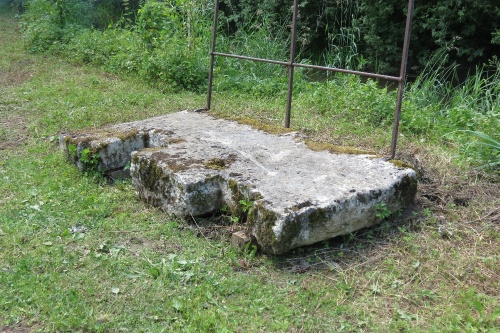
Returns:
<point x="291" y="64"/>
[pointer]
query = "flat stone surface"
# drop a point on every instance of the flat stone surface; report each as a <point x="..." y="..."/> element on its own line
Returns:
<point x="192" y="164"/>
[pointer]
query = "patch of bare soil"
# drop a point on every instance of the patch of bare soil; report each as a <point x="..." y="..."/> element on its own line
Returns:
<point x="441" y="186"/>
<point x="459" y="193"/>
<point x="15" y="329"/>
<point x="16" y="75"/>
<point x="13" y="131"/>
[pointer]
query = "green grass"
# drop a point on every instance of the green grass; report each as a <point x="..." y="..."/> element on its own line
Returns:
<point x="78" y="255"/>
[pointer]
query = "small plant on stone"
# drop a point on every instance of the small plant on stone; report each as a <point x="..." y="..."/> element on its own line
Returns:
<point x="72" y="151"/>
<point x="227" y="217"/>
<point x="246" y="205"/>
<point x="382" y="211"/>
<point x="90" y="161"/>
<point x="241" y="216"/>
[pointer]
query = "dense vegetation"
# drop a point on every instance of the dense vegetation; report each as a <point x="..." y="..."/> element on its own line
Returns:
<point x="80" y="255"/>
<point x="363" y="33"/>
<point x="167" y="42"/>
<point x="467" y="31"/>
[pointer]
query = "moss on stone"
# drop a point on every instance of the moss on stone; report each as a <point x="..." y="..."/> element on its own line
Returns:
<point x="149" y="173"/>
<point x="401" y="164"/>
<point x="362" y="198"/>
<point x="321" y="146"/>
<point x="135" y="159"/>
<point x="99" y="134"/>
<point x="262" y="221"/>
<point x="297" y="207"/>
<point x="174" y="162"/>
<point x="94" y="142"/>
<point x="319" y="215"/>
<point x="406" y="190"/>
<point x="176" y="140"/>
<point x="200" y="198"/>
<point x="233" y="205"/>
<point x="217" y="164"/>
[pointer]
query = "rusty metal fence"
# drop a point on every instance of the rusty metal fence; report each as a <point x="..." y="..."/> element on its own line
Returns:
<point x="291" y="64"/>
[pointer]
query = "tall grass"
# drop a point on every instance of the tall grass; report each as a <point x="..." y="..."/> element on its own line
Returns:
<point x="436" y="107"/>
<point x="342" y="50"/>
<point x="255" y="39"/>
<point x="491" y="146"/>
<point x="343" y="37"/>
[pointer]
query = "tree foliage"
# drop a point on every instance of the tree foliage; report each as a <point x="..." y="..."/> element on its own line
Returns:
<point x="467" y="30"/>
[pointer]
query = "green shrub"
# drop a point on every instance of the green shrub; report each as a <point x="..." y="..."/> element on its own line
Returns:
<point x="175" y="66"/>
<point x="156" y="21"/>
<point x="175" y="39"/>
<point x="46" y="25"/>
<point x="40" y="25"/>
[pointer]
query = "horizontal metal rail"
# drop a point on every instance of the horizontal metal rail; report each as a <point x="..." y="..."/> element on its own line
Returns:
<point x="298" y="64"/>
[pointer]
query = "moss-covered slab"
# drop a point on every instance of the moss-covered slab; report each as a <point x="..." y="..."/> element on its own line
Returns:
<point x="289" y="195"/>
<point x="109" y="149"/>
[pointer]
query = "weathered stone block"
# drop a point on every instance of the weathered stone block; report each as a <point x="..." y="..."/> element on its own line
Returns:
<point x="293" y="196"/>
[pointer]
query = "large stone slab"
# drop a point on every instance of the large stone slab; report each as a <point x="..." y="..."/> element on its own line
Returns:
<point x="192" y="164"/>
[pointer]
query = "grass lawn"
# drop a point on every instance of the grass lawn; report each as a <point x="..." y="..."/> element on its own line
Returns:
<point x="80" y="255"/>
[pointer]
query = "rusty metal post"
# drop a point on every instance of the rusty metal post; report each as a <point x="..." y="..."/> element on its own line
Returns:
<point x="402" y="76"/>
<point x="292" y="61"/>
<point x="212" y="55"/>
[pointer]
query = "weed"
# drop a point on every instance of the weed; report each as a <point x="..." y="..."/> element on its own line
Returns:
<point x="490" y="149"/>
<point x="382" y="211"/>
<point x="246" y="205"/>
<point x="72" y="151"/>
<point x="249" y="253"/>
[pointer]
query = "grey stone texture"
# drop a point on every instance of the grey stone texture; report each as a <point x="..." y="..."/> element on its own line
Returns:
<point x="191" y="164"/>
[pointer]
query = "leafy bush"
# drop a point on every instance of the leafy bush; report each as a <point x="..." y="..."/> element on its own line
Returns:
<point x="48" y="24"/>
<point x="175" y="37"/>
<point x="41" y="25"/>
<point x="94" y="46"/>
<point x="175" y="67"/>
<point x="156" y="21"/>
